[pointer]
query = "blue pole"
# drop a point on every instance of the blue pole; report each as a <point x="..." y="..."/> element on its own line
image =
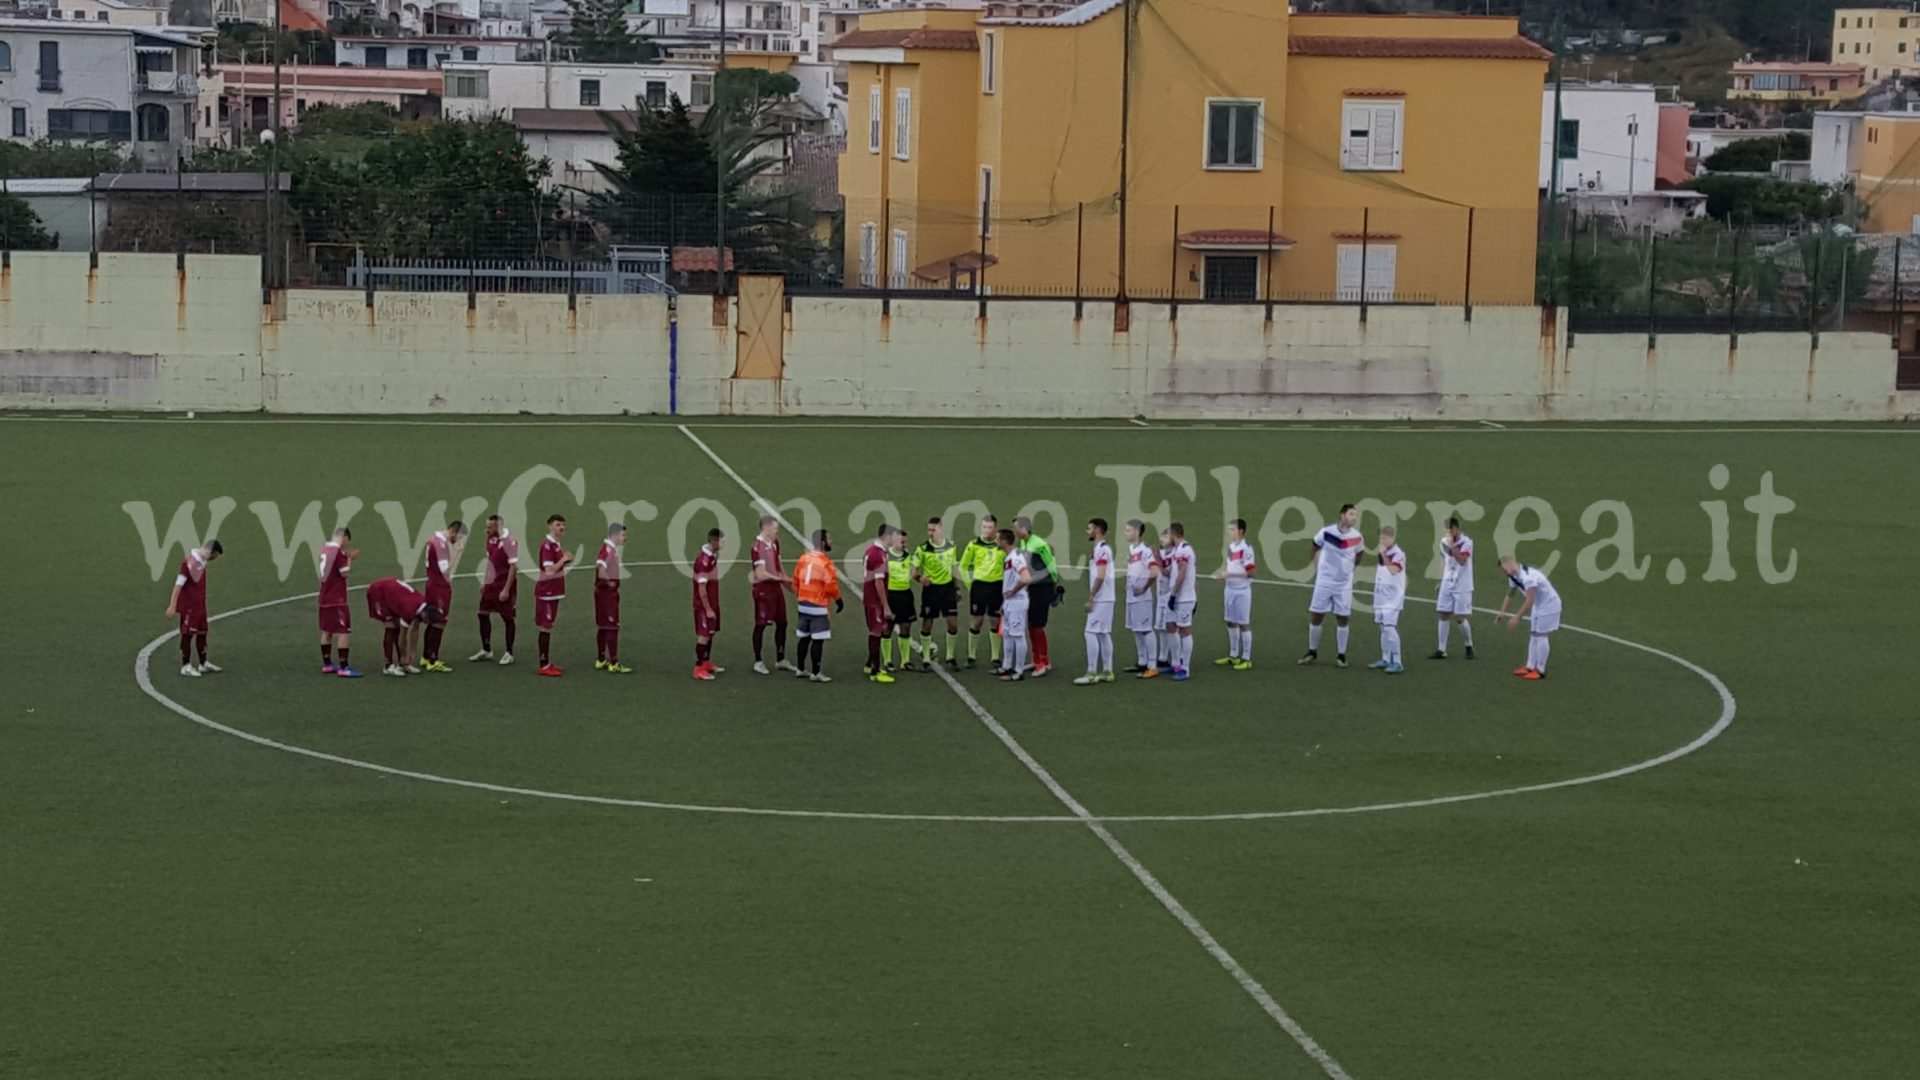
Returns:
<point x="673" y="360"/>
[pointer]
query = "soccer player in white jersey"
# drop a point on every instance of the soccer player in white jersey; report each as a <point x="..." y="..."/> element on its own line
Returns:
<point x="1456" y="588"/>
<point x="1143" y="574"/>
<point x="1542" y="608"/>
<point x="1186" y="597"/>
<point x="1163" y="605"/>
<point x="1100" y="571"/>
<point x="1336" y="551"/>
<point x="1238" y="598"/>
<point x="1014" y="603"/>
<point x="1389" y="599"/>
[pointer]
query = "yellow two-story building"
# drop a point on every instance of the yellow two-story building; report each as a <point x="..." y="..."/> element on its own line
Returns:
<point x="1205" y="149"/>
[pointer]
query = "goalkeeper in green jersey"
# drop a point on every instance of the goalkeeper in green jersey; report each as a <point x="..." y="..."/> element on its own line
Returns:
<point x="982" y="565"/>
<point x="935" y="566"/>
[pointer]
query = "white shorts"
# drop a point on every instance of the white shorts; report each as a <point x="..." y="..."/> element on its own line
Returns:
<point x="1140" y="611"/>
<point x="1100" y="619"/>
<point x="1544" y="622"/>
<point x="1179" y="613"/>
<point x="1456" y="600"/>
<point x="1387" y="616"/>
<point x="1013" y="617"/>
<point x="1327" y="598"/>
<point x="1238" y="607"/>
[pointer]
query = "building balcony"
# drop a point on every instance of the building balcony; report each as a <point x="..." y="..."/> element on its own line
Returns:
<point x="172" y="83"/>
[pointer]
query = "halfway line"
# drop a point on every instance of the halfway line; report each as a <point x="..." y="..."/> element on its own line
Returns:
<point x="1119" y="851"/>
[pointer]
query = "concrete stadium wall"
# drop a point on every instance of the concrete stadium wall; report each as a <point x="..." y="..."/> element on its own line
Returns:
<point x="139" y="334"/>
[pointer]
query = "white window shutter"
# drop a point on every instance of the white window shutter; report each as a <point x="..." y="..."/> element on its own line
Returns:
<point x="873" y="120"/>
<point x="1347" y="286"/>
<point x="1356" y="138"/>
<point x="1386" y="137"/>
<point x="902" y="123"/>
<point x="899" y="275"/>
<point x="869" y="254"/>
<point x="1382" y="262"/>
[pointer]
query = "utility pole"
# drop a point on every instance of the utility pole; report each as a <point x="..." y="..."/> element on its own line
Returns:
<point x="1131" y="13"/>
<point x="720" y="163"/>
<point x="273" y="159"/>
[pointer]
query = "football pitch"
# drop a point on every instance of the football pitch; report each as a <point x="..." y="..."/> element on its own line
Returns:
<point x="1689" y="852"/>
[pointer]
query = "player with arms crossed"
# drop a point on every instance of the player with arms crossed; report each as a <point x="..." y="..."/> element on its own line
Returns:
<point x="405" y="614"/>
<point x="189" y="605"/>
<point x="816" y="584"/>
<point x="706" y="605"/>
<point x="1100" y="569"/>
<point x="548" y="590"/>
<point x="1143" y="576"/>
<point x="770" y="585"/>
<point x="1542" y="608"/>
<point x="1015" y="602"/>
<point x="336" y="619"/>
<point x="935" y="567"/>
<point x="1389" y="599"/>
<point x="499" y="589"/>
<point x="1456" y="588"/>
<point x="980" y="568"/>
<point x="443" y="548"/>
<point x="1237" y="598"/>
<point x="606" y="602"/>
<point x="1336" y="551"/>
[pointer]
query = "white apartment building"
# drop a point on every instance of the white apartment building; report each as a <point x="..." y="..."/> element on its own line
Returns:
<point x="111" y="12"/>
<point x="426" y="53"/>
<point x="1836" y="147"/>
<point x="98" y="82"/>
<point x="1607" y="142"/>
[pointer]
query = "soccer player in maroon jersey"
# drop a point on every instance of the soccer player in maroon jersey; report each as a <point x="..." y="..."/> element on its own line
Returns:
<point x="606" y="602"/>
<point x="499" y="589"/>
<point x="770" y="585"/>
<point x="189" y="604"/>
<point x="404" y="613"/>
<point x="443" y="548"/>
<point x="549" y="589"/>
<point x="873" y="600"/>
<point x="336" y="620"/>
<point x="706" y="605"/>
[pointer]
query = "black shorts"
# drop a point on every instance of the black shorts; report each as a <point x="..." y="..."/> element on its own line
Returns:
<point x="900" y="606"/>
<point x="939" y="600"/>
<point x="1042" y="593"/>
<point x="984" y="598"/>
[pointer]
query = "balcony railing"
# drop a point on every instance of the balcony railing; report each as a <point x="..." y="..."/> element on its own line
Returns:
<point x="182" y="83"/>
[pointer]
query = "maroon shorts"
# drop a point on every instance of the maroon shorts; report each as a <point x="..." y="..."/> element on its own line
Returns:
<point x="441" y="596"/>
<point x="606" y="609"/>
<point x="336" y="619"/>
<point x="491" y="604"/>
<point x="879" y="619"/>
<point x="705" y="625"/>
<point x="769" y="606"/>
<point x="192" y="622"/>
<point x="545" y="612"/>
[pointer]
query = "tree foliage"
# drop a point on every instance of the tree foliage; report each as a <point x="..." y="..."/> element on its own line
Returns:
<point x="21" y="229"/>
<point x="1758" y="155"/>
<point x="1763" y="200"/>
<point x="47" y="158"/>
<point x="597" y="32"/>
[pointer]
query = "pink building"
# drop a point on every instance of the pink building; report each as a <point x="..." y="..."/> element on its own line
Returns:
<point x="243" y="94"/>
<point x="1671" y="167"/>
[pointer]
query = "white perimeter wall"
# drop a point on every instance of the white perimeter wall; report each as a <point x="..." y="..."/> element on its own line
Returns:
<point x="139" y="334"/>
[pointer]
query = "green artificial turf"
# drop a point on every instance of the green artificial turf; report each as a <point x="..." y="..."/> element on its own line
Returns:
<point x="176" y="901"/>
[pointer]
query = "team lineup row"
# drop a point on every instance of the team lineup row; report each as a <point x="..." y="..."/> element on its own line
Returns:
<point x="1011" y="578"/>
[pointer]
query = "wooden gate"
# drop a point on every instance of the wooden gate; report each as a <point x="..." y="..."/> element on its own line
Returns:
<point x="760" y="344"/>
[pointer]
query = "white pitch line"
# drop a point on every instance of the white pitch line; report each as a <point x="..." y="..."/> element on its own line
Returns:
<point x="1167" y="900"/>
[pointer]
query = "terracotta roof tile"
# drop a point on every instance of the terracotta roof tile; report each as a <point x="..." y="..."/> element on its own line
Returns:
<point x="913" y="37"/>
<point x="697" y="259"/>
<point x="1247" y="238"/>
<point x="942" y="269"/>
<point x="1418" y="48"/>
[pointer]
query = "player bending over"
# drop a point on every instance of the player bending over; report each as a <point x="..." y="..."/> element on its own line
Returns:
<point x="1456" y="588"/>
<point x="1542" y="608"/>
<point x="1336" y="551"/>
<point x="189" y="605"/>
<point x="405" y="614"/>
<point x="1389" y="599"/>
<point x="499" y="589"/>
<point x="1099" y="607"/>
<point x="1016" y="581"/>
<point x="606" y="602"/>
<point x="706" y="605"/>
<point x="980" y="569"/>
<point x="935" y="563"/>
<point x="443" y="548"/>
<point x="1143" y="576"/>
<point x="770" y="585"/>
<point x="1237" y="598"/>
<point x="816" y="584"/>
